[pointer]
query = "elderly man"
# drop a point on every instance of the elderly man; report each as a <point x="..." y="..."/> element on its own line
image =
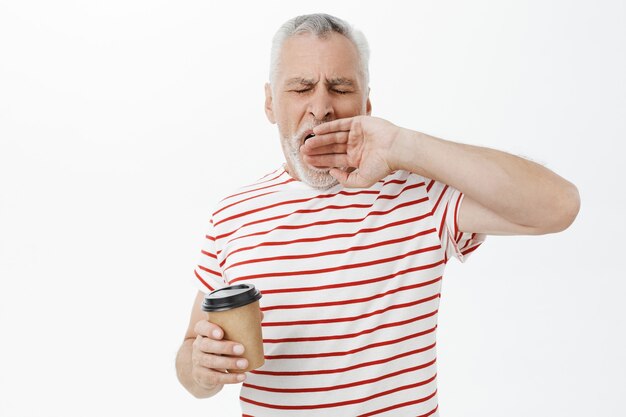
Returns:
<point x="348" y="240"/>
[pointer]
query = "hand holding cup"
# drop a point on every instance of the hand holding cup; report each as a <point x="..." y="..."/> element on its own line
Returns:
<point x="214" y="358"/>
<point x="230" y="341"/>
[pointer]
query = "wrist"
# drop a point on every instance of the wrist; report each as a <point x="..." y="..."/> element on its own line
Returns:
<point x="405" y="150"/>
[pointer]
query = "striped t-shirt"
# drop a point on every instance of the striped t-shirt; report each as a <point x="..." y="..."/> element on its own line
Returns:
<point x="351" y="282"/>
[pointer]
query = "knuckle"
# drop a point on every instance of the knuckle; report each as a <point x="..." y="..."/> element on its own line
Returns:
<point x="233" y="363"/>
<point x="212" y="346"/>
<point x="209" y="361"/>
<point x="195" y="358"/>
<point x="206" y="378"/>
<point x="203" y="344"/>
<point x="211" y="377"/>
<point x="220" y="347"/>
<point x="233" y="378"/>
<point x="198" y="376"/>
<point x="197" y="343"/>
<point x="201" y="327"/>
<point x="221" y="362"/>
<point x="211" y="328"/>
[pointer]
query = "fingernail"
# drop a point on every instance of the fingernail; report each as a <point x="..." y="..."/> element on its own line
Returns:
<point x="217" y="334"/>
<point x="241" y="377"/>
<point x="242" y="363"/>
<point x="238" y="349"/>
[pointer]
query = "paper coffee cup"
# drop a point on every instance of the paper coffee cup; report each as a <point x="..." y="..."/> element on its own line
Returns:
<point x="236" y="310"/>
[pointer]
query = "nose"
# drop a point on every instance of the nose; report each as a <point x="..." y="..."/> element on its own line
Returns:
<point x="321" y="105"/>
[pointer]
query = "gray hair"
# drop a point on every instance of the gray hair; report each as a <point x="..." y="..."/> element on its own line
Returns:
<point x="320" y="25"/>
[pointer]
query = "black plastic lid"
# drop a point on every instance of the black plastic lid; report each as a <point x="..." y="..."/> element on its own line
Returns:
<point x="231" y="297"/>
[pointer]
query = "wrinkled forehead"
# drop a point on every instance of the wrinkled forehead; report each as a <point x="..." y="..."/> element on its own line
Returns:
<point x="307" y="56"/>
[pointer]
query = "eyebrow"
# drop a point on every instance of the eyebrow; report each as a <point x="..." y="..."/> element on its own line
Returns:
<point x="310" y="82"/>
<point x="300" y="81"/>
<point x="341" y="81"/>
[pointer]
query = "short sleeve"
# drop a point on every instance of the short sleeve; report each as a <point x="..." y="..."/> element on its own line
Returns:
<point x="446" y="202"/>
<point x="208" y="273"/>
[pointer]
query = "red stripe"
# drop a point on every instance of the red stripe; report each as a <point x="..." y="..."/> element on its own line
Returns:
<point x="209" y="237"/>
<point x="443" y="220"/>
<point x="341" y="386"/>
<point x="208" y="254"/>
<point x="281" y="169"/>
<point x="355" y="283"/>
<point x="346" y="302"/>
<point x="287" y="181"/>
<point x="405" y="404"/>
<point x="245" y="213"/>
<point x="335" y="236"/>
<point x="471" y="240"/>
<point x="353" y="351"/>
<point x="350" y="335"/>
<point x="343" y="403"/>
<point x="333" y="252"/>
<point x="352" y="318"/>
<point x="347" y="368"/>
<point x="337" y="268"/>
<point x="391" y="197"/>
<point x="467" y="242"/>
<point x="322" y="196"/>
<point x="206" y="284"/>
<point x="457" y="232"/>
<point x="301" y="200"/>
<point x="210" y="271"/>
<point x="318" y="223"/>
<point x="470" y="250"/>
<point x="282" y="216"/>
<point x="396" y="181"/>
<point x="259" y="182"/>
<point x="249" y="198"/>
<point x="443" y="192"/>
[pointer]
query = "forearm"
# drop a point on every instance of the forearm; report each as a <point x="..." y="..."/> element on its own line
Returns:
<point x="516" y="189"/>
<point x="184" y="372"/>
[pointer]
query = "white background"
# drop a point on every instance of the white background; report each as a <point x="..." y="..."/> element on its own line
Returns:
<point x="122" y="123"/>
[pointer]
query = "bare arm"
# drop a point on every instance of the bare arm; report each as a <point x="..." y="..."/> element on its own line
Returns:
<point x="504" y="194"/>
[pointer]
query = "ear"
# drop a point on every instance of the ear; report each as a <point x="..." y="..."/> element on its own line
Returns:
<point x="368" y="104"/>
<point x="269" y="110"/>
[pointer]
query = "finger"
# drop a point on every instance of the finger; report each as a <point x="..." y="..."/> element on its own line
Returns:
<point x="326" y="139"/>
<point x="221" y="362"/>
<point x="209" y="378"/>
<point x="326" y="149"/>
<point x="326" y="161"/>
<point x="350" y="179"/>
<point x="334" y="126"/>
<point x="208" y="329"/>
<point x="219" y="347"/>
<point x="339" y="175"/>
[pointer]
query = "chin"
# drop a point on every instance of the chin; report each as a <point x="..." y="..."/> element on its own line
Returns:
<point x="318" y="178"/>
<point x="314" y="177"/>
<point x="321" y="182"/>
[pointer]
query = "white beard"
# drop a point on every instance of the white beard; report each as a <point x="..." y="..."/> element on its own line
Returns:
<point x="316" y="178"/>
